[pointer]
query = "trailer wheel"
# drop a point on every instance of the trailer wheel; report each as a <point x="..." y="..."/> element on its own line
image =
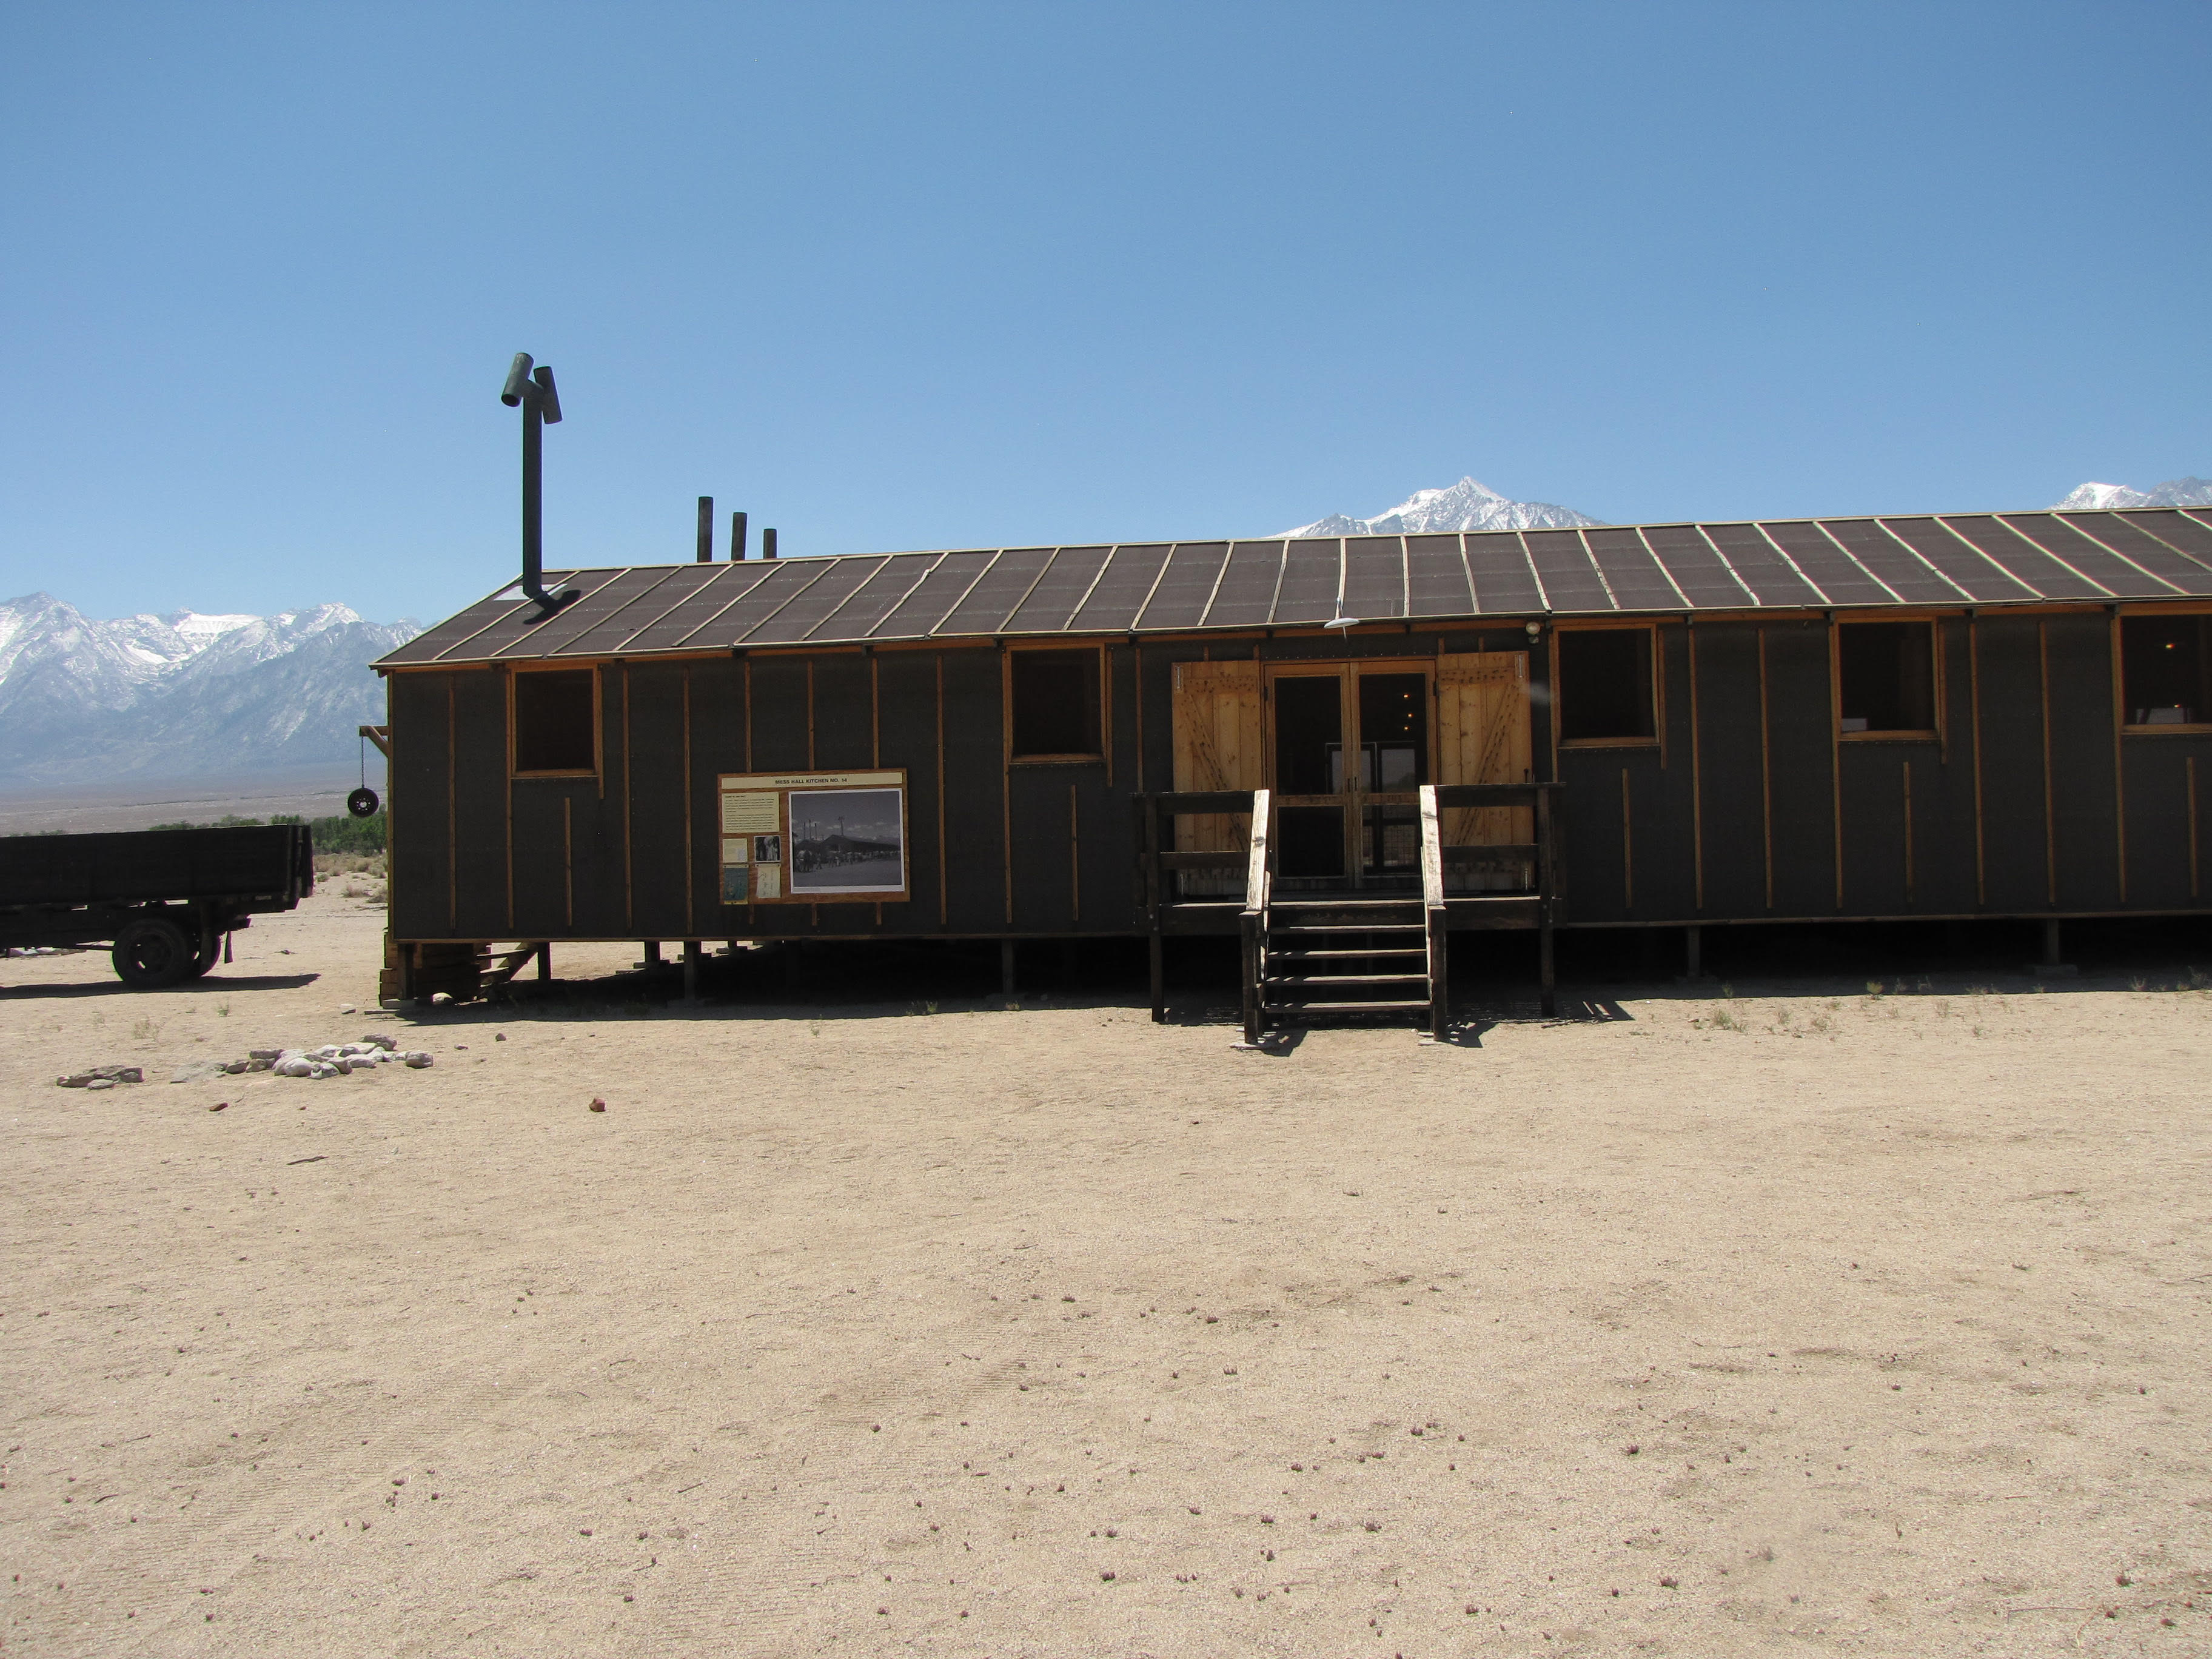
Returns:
<point x="152" y="953"/>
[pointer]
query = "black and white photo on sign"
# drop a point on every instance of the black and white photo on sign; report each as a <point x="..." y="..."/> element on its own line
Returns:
<point x="767" y="849"/>
<point x="847" y="840"/>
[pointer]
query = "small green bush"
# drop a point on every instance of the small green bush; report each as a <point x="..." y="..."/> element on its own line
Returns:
<point x="340" y="834"/>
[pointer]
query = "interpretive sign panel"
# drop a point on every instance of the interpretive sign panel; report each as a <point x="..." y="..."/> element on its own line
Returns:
<point x="813" y="837"/>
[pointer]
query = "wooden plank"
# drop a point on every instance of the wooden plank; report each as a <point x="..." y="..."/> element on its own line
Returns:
<point x="1433" y="850"/>
<point x="1256" y="869"/>
<point x="1974" y="707"/>
<point x="2119" y="759"/>
<point x="1696" y="781"/>
<point x="1627" y="847"/>
<point x="2049" y="813"/>
<point x="1484" y="736"/>
<point x="1217" y="747"/>
<point x="1766" y="793"/>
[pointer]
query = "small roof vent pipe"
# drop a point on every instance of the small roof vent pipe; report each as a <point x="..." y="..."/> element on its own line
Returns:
<point x="768" y="544"/>
<point x="737" y="537"/>
<point x="541" y="407"/>
<point x="705" y="530"/>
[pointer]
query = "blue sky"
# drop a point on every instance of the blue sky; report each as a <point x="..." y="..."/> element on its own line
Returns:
<point x="916" y="275"/>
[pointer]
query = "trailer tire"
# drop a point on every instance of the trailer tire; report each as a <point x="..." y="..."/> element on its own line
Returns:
<point x="152" y="953"/>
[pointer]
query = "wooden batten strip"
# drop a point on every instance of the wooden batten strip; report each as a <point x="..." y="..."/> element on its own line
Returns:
<point x="1909" y="884"/>
<point x="1974" y="711"/>
<point x="944" y="892"/>
<point x="1627" y="847"/>
<point x="2119" y="754"/>
<point x="2049" y="810"/>
<point x="629" y="861"/>
<point x="1697" y="780"/>
<point x="690" y="897"/>
<point x="1766" y="788"/>
<point x="2189" y="779"/>
<point x="453" y="843"/>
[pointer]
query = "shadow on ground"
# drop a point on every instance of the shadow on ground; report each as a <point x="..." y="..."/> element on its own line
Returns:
<point x="1493" y="975"/>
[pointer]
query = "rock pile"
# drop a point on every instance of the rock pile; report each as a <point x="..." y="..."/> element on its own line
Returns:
<point x="102" y="1077"/>
<point x="332" y="1060"/>
<point x="336" y="1060"/>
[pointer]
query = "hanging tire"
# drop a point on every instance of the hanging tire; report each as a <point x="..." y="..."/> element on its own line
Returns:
<point x="152" y="953"/>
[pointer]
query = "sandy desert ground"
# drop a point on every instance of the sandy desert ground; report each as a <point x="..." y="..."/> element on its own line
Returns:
<point x="1801" y="1322"/>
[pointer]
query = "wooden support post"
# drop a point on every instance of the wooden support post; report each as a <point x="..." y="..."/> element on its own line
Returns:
<point x="1547" y="839"/>
<point x="2050" y="942"/>
<point x="1249" y="927"/>
<point x="652" y="953"/>
<point x="691" y="971"/>
<point x="1148" y="882"/>
<point x="544" y="961"/>
<point x="1693" y="951"/>
<point x="1006" y="966"/>
<point x="1439" y="976"/>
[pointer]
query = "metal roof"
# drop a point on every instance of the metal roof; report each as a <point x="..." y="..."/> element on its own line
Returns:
<point x="1161" y="587"/>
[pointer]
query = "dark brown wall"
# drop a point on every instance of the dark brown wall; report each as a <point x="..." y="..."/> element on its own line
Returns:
<point x="606" y="857"/>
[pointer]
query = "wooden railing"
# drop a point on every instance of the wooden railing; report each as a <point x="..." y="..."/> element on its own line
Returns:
<point x="1159" y="861"/>
<point x="1541" y="856"/>
<point x="1536" y="904"/>
<point x="1259" y="878"/>
<point x="1433" y="911"/>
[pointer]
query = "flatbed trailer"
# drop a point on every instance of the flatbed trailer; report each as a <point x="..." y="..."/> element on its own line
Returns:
<point x="167" y="901"/>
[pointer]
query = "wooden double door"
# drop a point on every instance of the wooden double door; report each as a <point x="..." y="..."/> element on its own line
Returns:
<point x="1345" y="747"/>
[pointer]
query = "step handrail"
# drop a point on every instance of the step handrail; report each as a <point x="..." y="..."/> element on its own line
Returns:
<point x="1432" y="905"/>
<point x="1253" y="922"/>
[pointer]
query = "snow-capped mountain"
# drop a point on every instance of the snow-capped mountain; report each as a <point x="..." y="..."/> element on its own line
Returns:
<point x="93" y="701"/>
<point x="2174" y="492"/>
<point x="1466" y="505"/>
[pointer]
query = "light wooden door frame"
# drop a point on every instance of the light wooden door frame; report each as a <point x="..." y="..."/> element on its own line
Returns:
<point x="1356" y="797"/>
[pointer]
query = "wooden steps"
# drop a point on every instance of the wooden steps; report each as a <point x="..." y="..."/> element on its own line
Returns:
<point x="1343" y="956"/>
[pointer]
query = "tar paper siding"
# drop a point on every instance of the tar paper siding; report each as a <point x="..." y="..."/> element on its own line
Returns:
<point x="1750" y="808"/>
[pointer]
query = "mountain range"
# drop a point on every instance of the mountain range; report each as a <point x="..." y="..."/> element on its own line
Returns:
<point x="85" y="701"/>
<point x="1466" y="505"/>
<point x="2174" y="492"/>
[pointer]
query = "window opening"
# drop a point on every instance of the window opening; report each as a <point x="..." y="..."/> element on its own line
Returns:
<point x="553" y="720"/>
<point x="1310" y="734"/>
<point x="1393" y="759"/>
<point x="1604" y="684"/>
<point x="1886" y="676"/>
<point x="1055" y="698"/>
<point x="2166" y="670"/>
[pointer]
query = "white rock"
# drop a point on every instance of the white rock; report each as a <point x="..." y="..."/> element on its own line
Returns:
<point x="419" y="1059"/>
<point x="295" y="1067"/>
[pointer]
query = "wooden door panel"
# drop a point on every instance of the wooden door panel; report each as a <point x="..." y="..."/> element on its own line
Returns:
<point x="1483" y="735"/>
<point x="1217" y="745"/>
